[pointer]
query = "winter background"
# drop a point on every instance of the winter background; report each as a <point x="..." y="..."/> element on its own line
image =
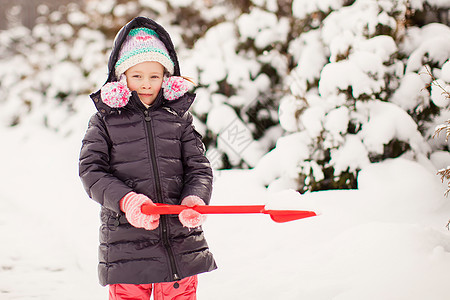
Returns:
<point x="324" y="105"/>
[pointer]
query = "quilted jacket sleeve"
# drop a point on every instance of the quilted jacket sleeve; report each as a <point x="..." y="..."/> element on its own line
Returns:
<point x="197" y="170"/>
<point x="94" y="169"/>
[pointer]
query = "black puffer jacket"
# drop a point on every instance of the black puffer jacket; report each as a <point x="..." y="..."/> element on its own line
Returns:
<point x="156" y="152"/>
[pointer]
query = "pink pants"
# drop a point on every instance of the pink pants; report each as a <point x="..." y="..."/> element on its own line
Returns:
<point x="184" y="289"/>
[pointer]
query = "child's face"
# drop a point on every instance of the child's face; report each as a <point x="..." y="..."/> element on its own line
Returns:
<point x="146" y="79"/>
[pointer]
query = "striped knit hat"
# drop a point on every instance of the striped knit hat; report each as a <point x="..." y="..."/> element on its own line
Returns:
<point x="142" y="44"/>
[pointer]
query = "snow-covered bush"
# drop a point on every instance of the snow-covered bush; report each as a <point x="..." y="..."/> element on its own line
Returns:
<point x="48" y="67"/>
<point x="358" y="92"/>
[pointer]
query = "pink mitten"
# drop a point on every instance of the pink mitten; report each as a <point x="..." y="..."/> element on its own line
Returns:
<point x="189" y="217"/>
<point x="131" y="204"/>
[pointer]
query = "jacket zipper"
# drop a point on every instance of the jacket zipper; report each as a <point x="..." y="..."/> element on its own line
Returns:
<point x="165" y="239"/>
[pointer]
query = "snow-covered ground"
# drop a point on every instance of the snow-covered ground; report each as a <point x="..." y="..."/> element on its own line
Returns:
<point x="386" y="240"/>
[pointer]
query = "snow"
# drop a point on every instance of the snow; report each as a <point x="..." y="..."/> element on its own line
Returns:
<point x="445" y="75"/>
<point x="302" y="8"/>
<point x="337" y="121"/>
<point x="283" y="161"/>
<point x="102" y="6"/>
<point x="387" y="122"/>
<point x="383" y="46"/>
<point x="348" y="25"/>
<point x="411" y="93"/>
<point x="363" y="71"/>
<point x="371" y="243"/>
<point x="211" y="61"/>
<point x="233" y="136"/>
<point x="344" y="91"/>
<point x="287" y="111"/>
<point x="440" y="93"/>
<point x="263" y="27"/>
<point x="310" y="54"/>
<point x="431" y="43"/>
<point x="351" y="156"/>
<point x="385" y="240"/>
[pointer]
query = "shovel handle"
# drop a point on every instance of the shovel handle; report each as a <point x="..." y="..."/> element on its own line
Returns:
<point x="167" y="209"/>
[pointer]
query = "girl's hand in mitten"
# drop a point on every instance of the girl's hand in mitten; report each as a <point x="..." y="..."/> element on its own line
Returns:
<point x="189" y="217"/>
<point x="131" y="205"/>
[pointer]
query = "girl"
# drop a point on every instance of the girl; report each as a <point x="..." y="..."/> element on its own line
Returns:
<point x="141" y="148"/>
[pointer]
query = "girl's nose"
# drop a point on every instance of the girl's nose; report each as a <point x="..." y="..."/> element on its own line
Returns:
<point x="146" y="84"/>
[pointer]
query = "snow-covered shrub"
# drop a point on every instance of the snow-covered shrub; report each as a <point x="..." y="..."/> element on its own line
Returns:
<point x="239" y="65"/>
<point x="358" y="92"/>
<point x="43" y="76"/>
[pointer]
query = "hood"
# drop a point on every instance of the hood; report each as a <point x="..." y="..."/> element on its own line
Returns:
<point x="180" y="105"/>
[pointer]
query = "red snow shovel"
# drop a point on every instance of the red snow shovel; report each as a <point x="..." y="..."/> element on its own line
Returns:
<point x="279" y="216"/>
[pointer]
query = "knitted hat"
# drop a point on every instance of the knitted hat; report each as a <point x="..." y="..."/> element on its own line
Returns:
<point x="142" y="44"/>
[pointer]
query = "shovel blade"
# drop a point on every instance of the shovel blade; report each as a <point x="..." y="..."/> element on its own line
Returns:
<point x="283" y="216"/>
